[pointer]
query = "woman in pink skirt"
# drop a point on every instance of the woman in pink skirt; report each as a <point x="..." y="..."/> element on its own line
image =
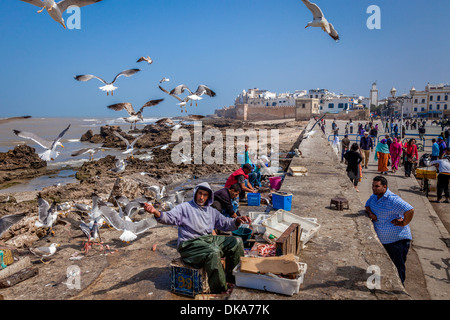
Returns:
<point x="396" y="151"/>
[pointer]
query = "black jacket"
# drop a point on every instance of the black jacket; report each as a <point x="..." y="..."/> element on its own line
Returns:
<point x="222" y="200"/>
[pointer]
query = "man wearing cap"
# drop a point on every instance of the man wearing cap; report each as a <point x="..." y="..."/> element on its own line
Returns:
<point x="196" y="220"/>
<point x="365" y="146"/>
<point x="240" y="176"/>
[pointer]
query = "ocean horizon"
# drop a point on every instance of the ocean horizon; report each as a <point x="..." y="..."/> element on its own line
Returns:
<point x="49" y="128"/>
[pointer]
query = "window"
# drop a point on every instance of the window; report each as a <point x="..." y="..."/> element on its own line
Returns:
<point x="303" y="106"/>
<point x="423" y="109"/>
<point x="438" y="107"/>
<point x="445" y="107"/>
<point x="431" y="98"/>
<point x="416" y="100"/>
<point x="423" y="100"/>
<point x="431" y="107"/>
<point x="340" y="105"/>
<point x="330" y="105"/>
<point x="438" y="98"/>
<point x="415" y="109"/>
<point x="446" y="97"/>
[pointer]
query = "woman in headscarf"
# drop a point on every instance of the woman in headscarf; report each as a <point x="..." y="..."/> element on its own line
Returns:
<point x="382" y="155"/>
<point x="396" y="151"/>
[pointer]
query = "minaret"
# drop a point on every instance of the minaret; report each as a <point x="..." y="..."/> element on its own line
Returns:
<point x="374" y="94"/>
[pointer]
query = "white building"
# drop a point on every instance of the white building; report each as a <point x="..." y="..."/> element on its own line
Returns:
<point x="432" y="102"/>
<point x="264" y="98"/>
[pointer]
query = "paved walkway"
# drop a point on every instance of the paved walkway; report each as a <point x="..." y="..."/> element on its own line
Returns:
<point x="429" y="233"/>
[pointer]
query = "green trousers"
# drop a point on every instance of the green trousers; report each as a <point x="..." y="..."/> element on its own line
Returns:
<point x="206" y="251"/>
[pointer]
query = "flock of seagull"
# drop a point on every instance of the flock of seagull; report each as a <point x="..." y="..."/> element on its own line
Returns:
<point x="119" y="216"/>
<point x="100" y="212"/>
<point x="55" y="11"/>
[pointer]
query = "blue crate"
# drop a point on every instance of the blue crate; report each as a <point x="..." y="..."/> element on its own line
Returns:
<point x="187" y="280"/>
<point x="282" y="201"/>
<point x="253" y="199"/>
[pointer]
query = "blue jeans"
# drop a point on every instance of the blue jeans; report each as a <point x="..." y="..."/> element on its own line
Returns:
<point x="255" y="179"/>
<point x="397" y="252"/>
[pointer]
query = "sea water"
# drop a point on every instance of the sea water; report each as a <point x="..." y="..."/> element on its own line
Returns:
<point x="50" y="128"/>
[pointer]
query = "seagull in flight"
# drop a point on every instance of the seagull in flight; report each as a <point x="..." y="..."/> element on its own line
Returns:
<point x="130" y="229"/>
<point x="47" y="214"/>
<point x="133" y="115"/>
<point x="55" y="10"/>
<point x="130" y="146"/>
<point x="109" y="87"/>
<point x="148" y="59"/>
<point x="8" y="221"/>
<point x="164" y="80"/>
<point x="320" y="21"/>
<point x="50" y="146"/>
<point x="90" y="151"/>
<point x="197" y="95"/>
<point x="182" y="101"/>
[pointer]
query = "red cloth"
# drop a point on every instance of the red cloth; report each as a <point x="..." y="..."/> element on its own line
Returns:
<point x="232" y="178"/>
<point x="411" y="151"/>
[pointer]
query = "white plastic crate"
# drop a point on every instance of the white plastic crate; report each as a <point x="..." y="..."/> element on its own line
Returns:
<point x="281" y="220"/>
<point x="270" y="283"/>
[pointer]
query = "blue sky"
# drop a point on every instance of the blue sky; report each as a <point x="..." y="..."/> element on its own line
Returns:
<point x="228" y="45"/>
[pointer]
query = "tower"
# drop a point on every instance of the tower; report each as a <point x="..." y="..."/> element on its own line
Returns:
<point x="373" y="95"/>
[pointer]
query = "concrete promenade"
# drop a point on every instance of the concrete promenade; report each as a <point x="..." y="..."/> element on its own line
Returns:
<point x="340" y="256"/>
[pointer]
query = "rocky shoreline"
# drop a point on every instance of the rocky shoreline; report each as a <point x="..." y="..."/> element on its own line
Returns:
<point x="95" y="176"/>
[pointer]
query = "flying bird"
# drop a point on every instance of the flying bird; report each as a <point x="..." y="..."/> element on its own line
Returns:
<point x="44" y="252"/>
<point x="197" y="95"/>
<point x="90" y="151"/>
<point x="130" y="146"/>
<point x="6" y="120"/>
<point x="47" y="214"/>
<point x="134" y="116"/>
<point x="164" y="79"/>
<point x="319" y="20"/>
<point x="50" y="153"/>
<point x="182" y="101"/>
<point x="55" y="10"/>
<point x="8" y="221"/>
<point x="130" y="229"/>
<point x="109" y="87"/>
<point x="148" y="59"/>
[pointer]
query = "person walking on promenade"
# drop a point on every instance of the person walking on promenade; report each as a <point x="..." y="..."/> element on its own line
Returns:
<point x="196" y="220"/>
<point x="422" y="132"/>
<point x="350" y="124"/>
<point x="382" y="155"/>
<point x="386" y="128"/>
<point x="443" y="178"/>
<point x="412" y="156"/>
<point x="366" y="145"/>
<point x="442" y="146"/>
<point x="434" y="150"/>
<point x="391" y="216"/>
<point x="396" y="152"/>
<point x="447" y="134"/>
<point x="345" y="146"/>
<point x="354" y="158"/>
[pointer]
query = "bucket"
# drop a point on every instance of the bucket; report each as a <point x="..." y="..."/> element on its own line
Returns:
<point x="275" y="183"/>
<point x="242" y="232"/>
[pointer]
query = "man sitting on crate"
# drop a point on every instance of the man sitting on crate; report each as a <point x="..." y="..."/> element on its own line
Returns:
<point x="196" y="221"/>
<point x="240" y="176"/>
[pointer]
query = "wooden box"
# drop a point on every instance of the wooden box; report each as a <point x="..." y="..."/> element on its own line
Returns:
<point x="6" y="258"/>
<point x="289" y="241"/>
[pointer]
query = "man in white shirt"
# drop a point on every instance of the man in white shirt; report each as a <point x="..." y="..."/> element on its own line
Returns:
<point x="443" y="166"/>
